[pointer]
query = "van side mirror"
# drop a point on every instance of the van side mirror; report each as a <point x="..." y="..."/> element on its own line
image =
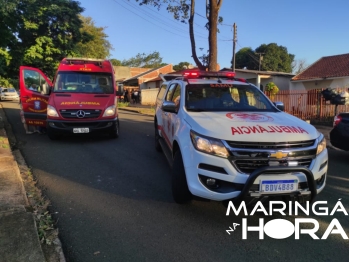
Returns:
<point x="46" y="89"/>
<point x="280" y="106"/>
<point x="120" y="91"/>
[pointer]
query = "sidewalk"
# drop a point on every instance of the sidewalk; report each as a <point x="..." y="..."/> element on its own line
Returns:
<point x="19" y="239"/>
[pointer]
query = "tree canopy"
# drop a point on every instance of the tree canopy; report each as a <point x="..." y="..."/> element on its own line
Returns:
<point x="152" y="60"/>
<point x="94" y="43"/>
<point x="40" y="33"/>
<point x="181" y="66"/>
<point x="273" y="58"/>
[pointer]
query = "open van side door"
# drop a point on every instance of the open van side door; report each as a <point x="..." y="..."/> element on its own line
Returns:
<point x="34" y="89"/>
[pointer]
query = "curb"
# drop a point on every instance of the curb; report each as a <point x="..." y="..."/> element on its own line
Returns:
<point x="10" y="139"/>
<point x="134" y="110"/>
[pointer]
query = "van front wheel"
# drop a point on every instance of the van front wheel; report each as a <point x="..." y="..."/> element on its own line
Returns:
<point x="115" y="133"/>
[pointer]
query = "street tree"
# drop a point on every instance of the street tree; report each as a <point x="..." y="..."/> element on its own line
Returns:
<point x="152" y="60"/>
<point x="181" y="66"/>
<point x="184" y="11"/>
<point x="40" y="33"/>
<point x="298" y="66"/>
<point x="115" y="62"/>
<point x="267" y="57"/>
<point x="246" y="58"/>
<point x="94" y="42"/>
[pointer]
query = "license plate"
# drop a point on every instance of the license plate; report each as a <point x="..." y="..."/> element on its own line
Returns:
<point x="278" y="186"/>
<point x="81" y="130"/>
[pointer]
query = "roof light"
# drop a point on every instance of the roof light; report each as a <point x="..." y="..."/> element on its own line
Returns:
<point x="191" y="74"/>
<point x="198" y="73"/>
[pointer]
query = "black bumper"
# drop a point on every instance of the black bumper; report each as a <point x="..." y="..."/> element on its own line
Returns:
<point x="67" y="127"/>
<point x="278" y="170"/>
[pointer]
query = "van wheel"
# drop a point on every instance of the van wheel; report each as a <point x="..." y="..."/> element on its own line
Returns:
<point x="52" y="135"/>
<point x="115" y="132"/>
<point x="157" y="137"/>
<point x="180" y="190"/>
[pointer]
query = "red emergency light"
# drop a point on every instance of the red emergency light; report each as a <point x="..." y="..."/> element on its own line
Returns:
<point x="190" y="74"/>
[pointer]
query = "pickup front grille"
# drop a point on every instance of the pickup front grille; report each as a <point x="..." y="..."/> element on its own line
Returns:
<point x="247" y="166"/>
<point x="87" y="113"/>
<point x="271" y="145"/>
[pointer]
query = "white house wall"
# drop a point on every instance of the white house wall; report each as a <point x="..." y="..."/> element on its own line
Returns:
<point x="320" y="84"/>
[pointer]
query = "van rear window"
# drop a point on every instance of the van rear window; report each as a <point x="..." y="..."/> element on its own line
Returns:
<point x="87" y="82"/>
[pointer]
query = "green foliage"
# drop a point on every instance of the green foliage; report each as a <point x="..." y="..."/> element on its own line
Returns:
<point x="272" y="88"/>
<point x="181" y="66"/>
<point x="4" y="82"/>
<point x="123" y="104"/>
<point x="245" y="57"/>
<point x="115" y="62"/>
<point x="94" y="42"/>
<point x="40" y="33"/>
<point x="275" y="58"/>
<point x="152" y="60"/>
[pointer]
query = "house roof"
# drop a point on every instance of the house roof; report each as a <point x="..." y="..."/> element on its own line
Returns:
<point x="326" y="67"/>
<point x="272" y="73"/>
<point x="142" y="74"/>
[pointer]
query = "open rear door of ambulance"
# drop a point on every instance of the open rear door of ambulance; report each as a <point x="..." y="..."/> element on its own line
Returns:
<point x="34" y="86"/>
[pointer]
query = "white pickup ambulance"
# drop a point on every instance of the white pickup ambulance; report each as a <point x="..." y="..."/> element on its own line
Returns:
<point x="225" y="140"/>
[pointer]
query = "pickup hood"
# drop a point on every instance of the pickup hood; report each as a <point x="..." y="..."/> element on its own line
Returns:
<point x="251" y="126"/>
<point x="81" y="101"/>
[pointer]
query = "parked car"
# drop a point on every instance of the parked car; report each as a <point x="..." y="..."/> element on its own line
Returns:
<point x="339" y="135"/>
<point x="226" y="140"/>
<point x="9" y="94"/>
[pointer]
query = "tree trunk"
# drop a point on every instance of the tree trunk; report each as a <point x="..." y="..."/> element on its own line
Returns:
<point x="215" y="5"/>
<point x="192" y="38"/>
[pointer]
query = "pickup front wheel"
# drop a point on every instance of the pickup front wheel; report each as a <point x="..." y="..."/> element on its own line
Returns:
<point x="180" y="190"/>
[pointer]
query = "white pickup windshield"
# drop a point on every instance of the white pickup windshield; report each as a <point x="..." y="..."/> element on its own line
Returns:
<point x="76" y="82"/>
<point x="226" y="97"/>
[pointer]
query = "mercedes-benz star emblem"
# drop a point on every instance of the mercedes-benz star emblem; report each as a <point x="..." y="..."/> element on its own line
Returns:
<point x="80" y="114"/>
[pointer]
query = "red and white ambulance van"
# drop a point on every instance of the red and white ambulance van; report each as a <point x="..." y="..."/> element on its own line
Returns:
<point x="81" y="99"/>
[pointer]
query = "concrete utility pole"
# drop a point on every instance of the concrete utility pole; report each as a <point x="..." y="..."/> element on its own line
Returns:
<point x="260" y="59"/>
<point x="234" y="43"/>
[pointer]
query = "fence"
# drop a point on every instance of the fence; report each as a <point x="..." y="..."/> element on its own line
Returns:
<point x="308" y="105"/>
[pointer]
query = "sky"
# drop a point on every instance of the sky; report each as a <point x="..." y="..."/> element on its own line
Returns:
<point x="309" y="29"/>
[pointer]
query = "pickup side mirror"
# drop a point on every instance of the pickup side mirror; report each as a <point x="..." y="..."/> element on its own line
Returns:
<point x="169" y="106"/>
<point x="280" y="106"/>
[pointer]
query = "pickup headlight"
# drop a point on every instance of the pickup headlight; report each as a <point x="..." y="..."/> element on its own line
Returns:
<point x="110" y="111"/>
<point x="51" y="111"/>
<point x="321" y="145"/>
<point x="208" y="145"/>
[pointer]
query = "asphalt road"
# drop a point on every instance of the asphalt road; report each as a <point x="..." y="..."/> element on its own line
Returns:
<point x="112" y="202"/>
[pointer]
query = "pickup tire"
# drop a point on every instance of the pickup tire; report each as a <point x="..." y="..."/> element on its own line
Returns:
<point x="157" y="137"/>
<point x="115" y="133"/>
<point x="180" y="190"/>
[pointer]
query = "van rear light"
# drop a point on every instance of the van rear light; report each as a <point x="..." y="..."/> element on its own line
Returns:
<point x="337" y="120"/>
